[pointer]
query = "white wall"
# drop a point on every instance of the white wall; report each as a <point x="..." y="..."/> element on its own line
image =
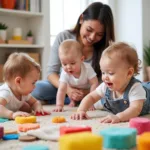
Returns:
<point x="129" y="24"/>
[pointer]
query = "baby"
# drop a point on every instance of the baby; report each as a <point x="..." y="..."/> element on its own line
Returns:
<point x="75" y="72"/>
<point x="120" y="93"/>
<point x="20" y="74"/>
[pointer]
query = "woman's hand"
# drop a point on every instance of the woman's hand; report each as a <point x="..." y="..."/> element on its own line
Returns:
<point x="110" y="119"/>
<point x="76" y="94"/>
<point x="79" y="115"/>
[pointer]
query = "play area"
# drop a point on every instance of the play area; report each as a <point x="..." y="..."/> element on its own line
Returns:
<point x="58" y="132"/>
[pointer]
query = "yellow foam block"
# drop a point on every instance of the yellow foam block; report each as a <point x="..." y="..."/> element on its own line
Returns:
<point x="21" y="120"/>
<point x="143" y="141"/>
<point x="58" y="119"/>
<point x="80" y="141"/>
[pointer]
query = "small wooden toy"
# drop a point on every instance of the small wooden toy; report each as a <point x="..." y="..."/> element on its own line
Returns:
<point x="28" y="126"/>
<point x="58" y="119"/>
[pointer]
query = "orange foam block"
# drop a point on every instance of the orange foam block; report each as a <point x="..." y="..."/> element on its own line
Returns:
<point x="28" y="126"/>
<point x="74" y="129"/>
<point x="58" y="119"/>
<point x="80" y="141"/>
<point x="143" y="141"/>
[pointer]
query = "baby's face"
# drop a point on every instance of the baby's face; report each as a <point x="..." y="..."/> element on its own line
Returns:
<point x="27" y="83"/>
<point x="115" y="73"/>
<point x="71" y="63"/>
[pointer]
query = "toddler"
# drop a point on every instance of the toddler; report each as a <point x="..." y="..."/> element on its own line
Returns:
<point x="20" y="74"/>
<point x="120" y="93"/>
<point x="75" y="72"/>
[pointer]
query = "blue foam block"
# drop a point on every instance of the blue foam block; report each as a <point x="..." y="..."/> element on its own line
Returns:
<point x="119" y="138"/>
<point x="3" y="120"/>
<point x="10" y="137"/>
<point x="36" y="147"/>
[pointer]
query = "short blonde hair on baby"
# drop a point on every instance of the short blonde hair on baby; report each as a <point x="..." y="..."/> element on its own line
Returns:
<point x="72" y="46"/>
<point x="125" y="53"/>
<point x="19" y="64"/>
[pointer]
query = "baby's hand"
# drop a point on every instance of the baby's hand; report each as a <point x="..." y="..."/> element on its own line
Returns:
<point x="92" y="108"/>
<point x="20" y="113"/>
<point x="58" y="108"/>
<point x="79" y="115"/>
<point x="110" y="119"/>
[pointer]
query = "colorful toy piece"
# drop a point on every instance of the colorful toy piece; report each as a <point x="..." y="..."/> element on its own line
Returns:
<point x="3" y="120"/>
<point x="40" y="114"/>
<point x="119" y="138"/>
<point x="28" y="126"/>
<point x="21" y="120"/>
<point x="27" y="138"/>
<point x="58" y="119"/>
<point x="10" y="131"/>
<point x="1" y="132"/>
<point x="143" y="141"/>
<point x="74" y="129"/>
<point x="36" y="147"/>
<point x="140" y="124"/>
<point x="80" y="141"/>
<point x="10" y="137"/>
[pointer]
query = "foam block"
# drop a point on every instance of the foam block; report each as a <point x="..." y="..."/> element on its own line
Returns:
<point x="140" y="124"/>
<point x="1" y="132"/>
<point x="10" y="131"/>
<point x="143" y="141"/>
<point x="40" y="114"/>
<point x="80" y="141"/>
<point x="10" y="137"/>
<point x="74" y="129"/>
<point x="28" y="126"/>
<point x="58" y="119"/>
<point x="21" y="120"/>
<point x="36" y="147"/>
<point x="119" y="138"/>
<point x="3" y="120"/>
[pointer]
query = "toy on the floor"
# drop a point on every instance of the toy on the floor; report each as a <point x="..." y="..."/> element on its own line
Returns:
<point x="46" y="133"/>
<point x="58" y="119"/>
<point x="140" y="124"/>
<point x="1" y="132"/>
<point x="10" y="131"/>
<point x="143" y="141"/>
<point x="3" y="120"/>
<point x="11" y="137"/>
<point x="119" y="138"/>
<point x="36" y="147"/>
<point x="74" y="129"/>
<point x="40" y="114"/>
<point x="27" y="138"/>
<point x="28" y="126"/>
<point x="22" y="120"/>
<point x="80" y="141"/>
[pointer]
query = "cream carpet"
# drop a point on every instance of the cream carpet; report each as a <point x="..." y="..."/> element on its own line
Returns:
<point x="45" y="121"/>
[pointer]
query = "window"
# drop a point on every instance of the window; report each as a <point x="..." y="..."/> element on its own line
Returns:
<point x="65" y="15"/>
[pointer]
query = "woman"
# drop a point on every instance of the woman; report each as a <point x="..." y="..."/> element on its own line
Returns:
<point x="94" y="30"/>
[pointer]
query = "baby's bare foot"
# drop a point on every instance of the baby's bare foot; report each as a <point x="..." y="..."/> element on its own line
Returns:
<point x="72" y="104"/>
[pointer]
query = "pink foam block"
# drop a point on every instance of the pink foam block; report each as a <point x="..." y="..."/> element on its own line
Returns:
<point x="141" y="124"/>
<point x="74" y="129"/>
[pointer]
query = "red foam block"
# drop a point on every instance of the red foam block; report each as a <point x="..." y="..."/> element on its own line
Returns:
<point x="40" y="114"/>
<point x="74" y="129"/>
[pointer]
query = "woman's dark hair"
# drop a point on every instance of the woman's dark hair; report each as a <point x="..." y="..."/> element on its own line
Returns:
<point x="103" y="13"/>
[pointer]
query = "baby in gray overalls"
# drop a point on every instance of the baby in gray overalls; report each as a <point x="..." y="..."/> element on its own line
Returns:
<point x="120" y="93"/>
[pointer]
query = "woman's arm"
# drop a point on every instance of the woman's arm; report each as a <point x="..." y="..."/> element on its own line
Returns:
<point x="54" y="79"/>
